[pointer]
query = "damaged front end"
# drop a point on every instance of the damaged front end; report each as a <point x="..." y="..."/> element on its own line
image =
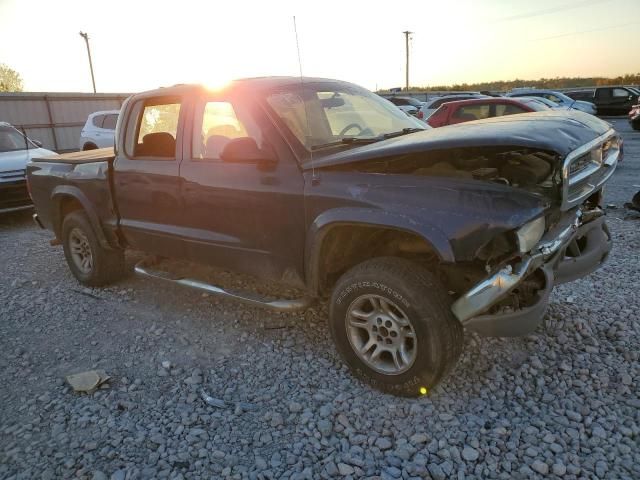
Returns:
<point x="513" y="298"/>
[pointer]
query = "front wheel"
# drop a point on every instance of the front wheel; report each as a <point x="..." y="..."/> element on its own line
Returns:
<point x="392" y="324"/>
<point x="91" y="264"/>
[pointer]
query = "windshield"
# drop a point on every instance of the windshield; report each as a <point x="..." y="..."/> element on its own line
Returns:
<point x="535" y="105"/>
<point x="332" y="112"/>
<point x="414" y="102"/>
<point x="12" y="140"/>
<point x="564" y="98"/>
<point x="546" y="101"/>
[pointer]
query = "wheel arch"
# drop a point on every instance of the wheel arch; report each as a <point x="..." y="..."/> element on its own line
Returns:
<point x="67" y="199"/>
<point x="382" y="232"/>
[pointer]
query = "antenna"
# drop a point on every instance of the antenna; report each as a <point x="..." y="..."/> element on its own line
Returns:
<point x="304" y="104"/>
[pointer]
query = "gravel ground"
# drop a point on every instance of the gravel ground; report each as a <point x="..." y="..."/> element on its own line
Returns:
<point x="562" y="403"/>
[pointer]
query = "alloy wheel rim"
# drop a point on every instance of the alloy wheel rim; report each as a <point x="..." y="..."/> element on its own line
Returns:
<point x="80" y="250"/>
<point x="381" y="334"/>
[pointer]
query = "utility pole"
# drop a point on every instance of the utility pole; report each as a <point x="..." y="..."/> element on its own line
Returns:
<point x="86" y="39"/>
<point x="406" y="48"/>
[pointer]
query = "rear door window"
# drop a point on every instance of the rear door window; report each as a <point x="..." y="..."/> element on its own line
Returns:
<point x="620" y="93"/>
<point x="216" y="123"/>
<point x="97" y="121"/>
<point x="110" y="122"/>
<point x="152" y="128"/>
<point x="507" y="109"/>
<point x="472" y="112"/>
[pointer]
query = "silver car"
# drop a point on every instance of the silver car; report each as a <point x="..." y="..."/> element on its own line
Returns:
<point x="557" y="97"/>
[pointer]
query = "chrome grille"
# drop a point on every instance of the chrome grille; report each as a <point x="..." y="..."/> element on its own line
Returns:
<point x="12" y="175"/>
<point x="587" y="168"/>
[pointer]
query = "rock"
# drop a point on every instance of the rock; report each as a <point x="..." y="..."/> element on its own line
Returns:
<point x="118" y="475"/>
<point x="332" y="469"/>
<point x="276" y="420"/>
<point x="325" y="427"/>
<point x="436" y="472"/>
<point x="383" y="443"/>
<point x="295" y="407"/>
<point x="540" y="467"/>
<point x="470" y="454"/>
<point x="99" y="475"/>
<point x="559" y="469"/>
<point x="345" y="469"/>
<point x="418" y="438"/>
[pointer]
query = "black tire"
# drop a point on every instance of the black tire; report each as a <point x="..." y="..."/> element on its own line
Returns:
<point x="107" y="266"/>
<point x="423" y="300"/>
<point x="89" y="146"/>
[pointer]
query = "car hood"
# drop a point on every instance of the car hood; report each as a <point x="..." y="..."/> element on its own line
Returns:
<point x="555" y="131"/>
<point x="584" y="103"/>
<point x="18" y="159"/>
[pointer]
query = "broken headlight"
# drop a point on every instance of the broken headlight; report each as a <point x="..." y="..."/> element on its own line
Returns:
<point x="530" y="234"/>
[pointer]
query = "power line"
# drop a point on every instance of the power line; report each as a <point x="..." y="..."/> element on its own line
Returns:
<point x="584" y="31"/>
<point x="547" y="11"/>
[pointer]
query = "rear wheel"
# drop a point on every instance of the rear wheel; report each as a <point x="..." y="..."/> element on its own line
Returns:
<point x="91" y="264"/>
<point x="89" y="146"/>
<point x="392" y="324"/>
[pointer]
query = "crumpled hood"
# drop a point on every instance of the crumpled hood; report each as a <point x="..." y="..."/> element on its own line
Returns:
<point x="18" y="159"/>
<point x="556" y="131"/>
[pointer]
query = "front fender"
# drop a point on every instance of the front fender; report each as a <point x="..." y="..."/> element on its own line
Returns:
<point x="370" y="217"/>
<point x="61" y="192"/>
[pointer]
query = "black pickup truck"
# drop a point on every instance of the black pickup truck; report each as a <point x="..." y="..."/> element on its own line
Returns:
<point x="609" y="100"/>
<point x="412" y="234"/>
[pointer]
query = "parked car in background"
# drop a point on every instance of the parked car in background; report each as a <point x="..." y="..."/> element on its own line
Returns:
<point x="634" y="117"/>
<point x="557" y="97"/>
<point x="411" y="235"/>
<point x="406" y="104"/>
<point x="431" y="106"/>
<point x="545" y="101"/>
<point x="99" y="130"/>
<point x="16" y="150"/>
<point x="609" y="100"/>
<point x="461" y="111"/>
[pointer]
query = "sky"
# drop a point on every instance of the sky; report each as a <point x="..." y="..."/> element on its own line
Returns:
<point x="139" y="44"/>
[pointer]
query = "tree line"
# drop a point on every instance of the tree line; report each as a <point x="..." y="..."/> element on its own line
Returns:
<point x="550" y="83"/>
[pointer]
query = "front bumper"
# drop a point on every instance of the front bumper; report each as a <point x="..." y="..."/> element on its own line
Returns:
<point x="576" y="247"/>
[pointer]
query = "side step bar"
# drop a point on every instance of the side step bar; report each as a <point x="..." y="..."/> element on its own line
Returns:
<point x="143" y="268"/>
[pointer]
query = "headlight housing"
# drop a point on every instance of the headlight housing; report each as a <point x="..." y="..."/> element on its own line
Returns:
<point x="530" y="234"/>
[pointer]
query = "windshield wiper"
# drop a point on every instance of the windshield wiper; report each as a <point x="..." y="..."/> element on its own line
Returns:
<point x="347" y="141"/>
<point x="365" y="141"/>
<point x="404" y="131"/>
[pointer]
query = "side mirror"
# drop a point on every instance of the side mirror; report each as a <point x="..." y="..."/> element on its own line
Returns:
<point x="38" y="143"/>
<point x="245" y="149"/>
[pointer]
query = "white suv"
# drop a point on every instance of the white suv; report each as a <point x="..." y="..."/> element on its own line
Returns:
<point x="99" y="130"/>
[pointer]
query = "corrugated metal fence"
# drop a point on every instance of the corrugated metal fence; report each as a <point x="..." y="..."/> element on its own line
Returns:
<point x="55" y="119"/>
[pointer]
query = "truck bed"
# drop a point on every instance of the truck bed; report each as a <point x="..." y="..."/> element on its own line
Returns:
<point x="77" y="158"/>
